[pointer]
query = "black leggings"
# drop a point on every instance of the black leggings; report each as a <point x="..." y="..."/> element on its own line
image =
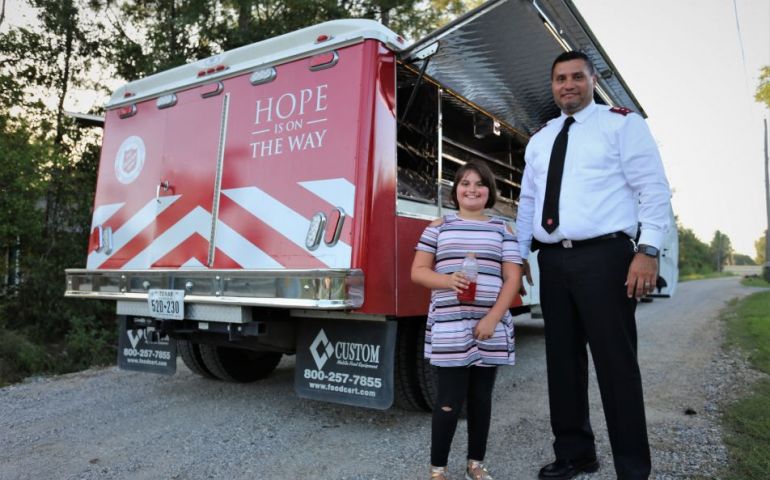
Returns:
<point x="455" y="384"/>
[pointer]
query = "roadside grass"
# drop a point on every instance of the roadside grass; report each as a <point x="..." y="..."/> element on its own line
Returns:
<point x="747" y="421"/>
<point x="85" y="345"/>
<point x="702" y="276"/>
<point x="755" y="281"/>
<point x="20" y="358"/>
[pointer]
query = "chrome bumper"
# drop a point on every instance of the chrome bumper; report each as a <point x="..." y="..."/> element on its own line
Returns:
<point x="333" y="289"/>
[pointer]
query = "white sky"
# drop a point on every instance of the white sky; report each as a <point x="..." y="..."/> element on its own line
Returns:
<point x="682" y="59"/>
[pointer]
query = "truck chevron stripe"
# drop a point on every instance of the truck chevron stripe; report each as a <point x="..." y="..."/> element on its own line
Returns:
<point x="135" y="225"/>
<point x="288" y="223"/>
<point x="336" y="191"/>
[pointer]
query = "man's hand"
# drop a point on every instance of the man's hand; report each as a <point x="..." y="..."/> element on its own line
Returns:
<point x="642" y="276"/>
<point x="528" y="275"/>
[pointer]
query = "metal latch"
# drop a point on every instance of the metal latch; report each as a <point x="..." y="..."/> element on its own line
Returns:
<point x="164" y="186"/>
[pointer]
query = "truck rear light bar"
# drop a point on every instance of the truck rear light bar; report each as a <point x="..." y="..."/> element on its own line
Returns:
<point x="332" y="289"/>
<point x="212" y="70"/>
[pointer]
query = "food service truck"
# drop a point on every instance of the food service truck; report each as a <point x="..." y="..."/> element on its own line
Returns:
<point x="266" y="201"/>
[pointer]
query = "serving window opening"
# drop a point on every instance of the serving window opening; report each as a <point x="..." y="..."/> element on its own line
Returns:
<point x="437" y="134"/>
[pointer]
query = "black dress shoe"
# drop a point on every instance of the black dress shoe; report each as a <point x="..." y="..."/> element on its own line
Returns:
<point x="566" y="469"/>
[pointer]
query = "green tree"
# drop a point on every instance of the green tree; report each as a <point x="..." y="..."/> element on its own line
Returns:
<point x="167" y="33"/>
<point x="48" y="175"/>
<point x="721" y="250"/>
<point x="741" y="259"/>
<point x="694" y="255"/>
<point x="760" y="246"/>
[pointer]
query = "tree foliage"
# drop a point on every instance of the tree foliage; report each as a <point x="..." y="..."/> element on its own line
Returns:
<point x="760" y="246"/>
<point x="741" y="259"/>
<point x="694" y="255"/>
<point x="762" y="94"/>
<point x="167" y="33"/>
<point x="48" y="175"/>
<point x="721" y="250"/>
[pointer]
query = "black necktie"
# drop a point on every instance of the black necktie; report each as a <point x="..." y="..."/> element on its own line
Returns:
<point x="553" y="184"/>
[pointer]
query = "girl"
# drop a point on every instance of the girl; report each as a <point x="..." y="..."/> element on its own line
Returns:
<point x="466" y="341"/>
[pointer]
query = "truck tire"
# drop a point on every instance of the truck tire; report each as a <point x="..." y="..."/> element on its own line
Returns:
<point x="414" y="376"/>
<point x="238" y="364"/>
<point x="191" y="356"/>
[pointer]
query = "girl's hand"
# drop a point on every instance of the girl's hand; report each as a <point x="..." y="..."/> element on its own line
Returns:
<point x="457" y="282"/>
<point x="485" y="329"/>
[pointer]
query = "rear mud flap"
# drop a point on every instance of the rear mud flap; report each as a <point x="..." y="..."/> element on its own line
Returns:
<point x="348" y="362"/>
<point x="142" y="347"/>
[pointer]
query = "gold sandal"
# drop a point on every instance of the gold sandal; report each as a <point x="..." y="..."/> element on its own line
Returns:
<point x="438" y="473"/>
<point x="477" y="471"/>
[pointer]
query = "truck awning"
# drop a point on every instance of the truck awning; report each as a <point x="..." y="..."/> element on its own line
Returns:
<point x="499" y="55"/>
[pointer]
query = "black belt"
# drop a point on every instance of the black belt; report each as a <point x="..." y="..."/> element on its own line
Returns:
<point x="536" y="244"/>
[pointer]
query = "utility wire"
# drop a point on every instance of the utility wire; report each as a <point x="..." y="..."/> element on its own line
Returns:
<point x="740" y="43"/>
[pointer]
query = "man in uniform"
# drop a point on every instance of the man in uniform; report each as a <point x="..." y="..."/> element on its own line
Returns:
<point x="592" y="176"/>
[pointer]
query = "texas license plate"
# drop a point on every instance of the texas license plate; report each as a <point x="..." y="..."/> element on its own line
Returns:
<point x="166" y="303"/>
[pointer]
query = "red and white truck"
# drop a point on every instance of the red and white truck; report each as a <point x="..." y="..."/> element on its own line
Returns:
<point x="266" y="201"/>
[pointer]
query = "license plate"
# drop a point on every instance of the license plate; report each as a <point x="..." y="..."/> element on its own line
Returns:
<point x="166" y="303"/>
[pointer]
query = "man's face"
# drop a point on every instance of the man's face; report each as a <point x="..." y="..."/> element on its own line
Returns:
<point x="572" y="85"/>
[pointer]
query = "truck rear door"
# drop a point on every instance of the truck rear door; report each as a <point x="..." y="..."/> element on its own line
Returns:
<point x="156" y="184"/>
<point x="291" y="163"/>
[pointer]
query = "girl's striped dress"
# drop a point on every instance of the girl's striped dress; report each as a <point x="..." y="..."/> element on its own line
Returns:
<point x="449" y="338"/>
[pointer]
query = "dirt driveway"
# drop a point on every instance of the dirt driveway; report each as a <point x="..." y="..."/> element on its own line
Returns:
<point x="110" y="424"/>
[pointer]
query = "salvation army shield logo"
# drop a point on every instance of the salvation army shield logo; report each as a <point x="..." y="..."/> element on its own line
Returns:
<point x="129" y="159"/>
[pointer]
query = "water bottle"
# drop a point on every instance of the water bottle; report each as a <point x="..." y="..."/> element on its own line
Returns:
<point x="470" y="269"/>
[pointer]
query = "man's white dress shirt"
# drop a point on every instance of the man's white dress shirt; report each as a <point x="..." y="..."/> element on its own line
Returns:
<point x="613" y="179"/>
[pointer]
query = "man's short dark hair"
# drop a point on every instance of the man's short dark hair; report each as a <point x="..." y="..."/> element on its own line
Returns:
<point x="487" y="179"/>
<point x="574" y="55"/>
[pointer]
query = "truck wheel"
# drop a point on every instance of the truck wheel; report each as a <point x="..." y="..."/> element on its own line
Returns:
<point x="239" y="364"/>
<point x="414" y="377"/>
<point x="191" y="356"/>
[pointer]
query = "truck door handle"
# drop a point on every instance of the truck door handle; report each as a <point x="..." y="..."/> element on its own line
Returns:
<point x="164" y="186"/>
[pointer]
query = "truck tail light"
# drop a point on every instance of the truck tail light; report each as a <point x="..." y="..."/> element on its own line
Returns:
<point x="212" y="70"/>
<point x="323" y="60"/>
<point x="127" y="111"/>
<point x="322" y="38"/>
<point x="334" y="226"/>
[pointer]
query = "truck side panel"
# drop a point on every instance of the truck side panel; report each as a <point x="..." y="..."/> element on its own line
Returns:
<point x="376" y="234"/>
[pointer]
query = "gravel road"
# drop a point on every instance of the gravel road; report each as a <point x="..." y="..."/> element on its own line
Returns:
<point x="111" y="424"/>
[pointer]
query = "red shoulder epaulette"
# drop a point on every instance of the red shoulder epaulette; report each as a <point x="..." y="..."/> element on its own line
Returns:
<point x="538" y="129"/>
<point x="621" y="110"/>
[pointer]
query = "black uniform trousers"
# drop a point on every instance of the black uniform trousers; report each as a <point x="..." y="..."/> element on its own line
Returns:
<point x="584" y="300"/>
